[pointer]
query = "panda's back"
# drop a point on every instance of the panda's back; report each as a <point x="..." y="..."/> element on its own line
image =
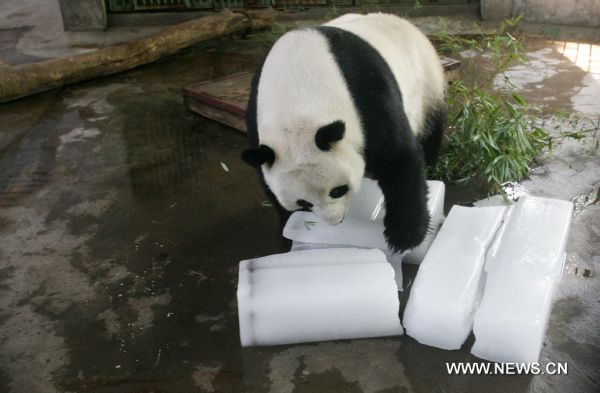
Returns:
<point x="410" y="56"/>
<point x="340" y="71"/>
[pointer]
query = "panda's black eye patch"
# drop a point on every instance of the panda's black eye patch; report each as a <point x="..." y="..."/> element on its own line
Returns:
<point x="338" y="192"/>
<point x="303" y="204"/>
<point x="327" y="135"/>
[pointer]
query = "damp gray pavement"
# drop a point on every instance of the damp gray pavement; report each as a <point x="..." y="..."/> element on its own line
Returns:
<point x="121" y="231"/>
<point x="32" y="30"/>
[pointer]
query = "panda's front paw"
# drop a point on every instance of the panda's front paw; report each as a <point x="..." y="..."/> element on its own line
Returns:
<point x="404" y="233"/>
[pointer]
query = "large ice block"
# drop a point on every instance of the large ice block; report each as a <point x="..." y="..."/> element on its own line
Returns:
<point x="363" y="225"/>
<point x="522" y="274"/>
<point x="447" y="288"/>
<point x="317" y="295"/>
<point x="394" y="259"/>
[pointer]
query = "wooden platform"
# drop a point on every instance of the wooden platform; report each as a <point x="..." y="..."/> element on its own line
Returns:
<point x="224" y="100"/>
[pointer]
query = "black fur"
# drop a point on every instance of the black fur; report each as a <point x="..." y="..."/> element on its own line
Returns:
<point x="304" y="204"/>
<point x="256" y="156"/>
<point x="327" y="135"/>
<point x="339" y="191"/>
<point x="392" y="154"/>
<point x="431" y="138"/>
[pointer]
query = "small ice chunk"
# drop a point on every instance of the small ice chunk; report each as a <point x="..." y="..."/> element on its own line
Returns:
<point x="363" y="225"/>
<point x="522" y="274"/>
<point x="317" y="295"/>
<point x="447" y="288"/>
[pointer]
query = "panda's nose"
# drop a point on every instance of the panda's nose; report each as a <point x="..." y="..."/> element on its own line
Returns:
<point x="304" y="205"/>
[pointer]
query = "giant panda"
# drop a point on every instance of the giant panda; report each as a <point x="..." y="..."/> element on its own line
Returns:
<point x="362" y="95"/>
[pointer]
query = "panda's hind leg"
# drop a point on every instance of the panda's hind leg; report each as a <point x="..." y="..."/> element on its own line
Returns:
<point x="433" y="133"/>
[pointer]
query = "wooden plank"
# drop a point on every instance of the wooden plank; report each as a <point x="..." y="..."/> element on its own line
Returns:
<point x="224" y="100"/>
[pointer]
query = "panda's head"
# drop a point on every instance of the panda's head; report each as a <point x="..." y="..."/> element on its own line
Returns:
<point x="317" y="174"/>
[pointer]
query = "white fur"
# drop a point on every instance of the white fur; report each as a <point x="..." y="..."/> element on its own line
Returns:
<point x="302" y="89"/>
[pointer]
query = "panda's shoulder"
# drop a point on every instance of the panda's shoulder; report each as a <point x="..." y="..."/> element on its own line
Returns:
<point x="370" y="25"/>
<point x="297" y="43"/>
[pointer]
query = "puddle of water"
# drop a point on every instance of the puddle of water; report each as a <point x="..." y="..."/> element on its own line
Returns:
<point x="540" y="66"/>
<point x="587" y="98"/>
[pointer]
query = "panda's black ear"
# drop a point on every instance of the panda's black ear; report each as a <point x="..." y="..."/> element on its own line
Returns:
<point x="329" y="134"/>
<point x="257" y="156"/>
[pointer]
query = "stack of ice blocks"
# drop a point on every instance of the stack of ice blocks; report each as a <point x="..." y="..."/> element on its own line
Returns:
<point x="363" y="226"/>
<point x="493" y="270"/>
<point x="490" y="269"/>
<point x="336" y="283"/>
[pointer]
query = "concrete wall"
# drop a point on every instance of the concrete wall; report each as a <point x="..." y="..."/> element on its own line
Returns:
<point x="564" y="12"/>
<point x="83" y="15"/>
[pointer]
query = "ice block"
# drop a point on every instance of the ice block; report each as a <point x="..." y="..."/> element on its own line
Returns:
<point x="448" y="285"/>
<point x="363" y="225"/>
<point x="394" y="259"/>
<point x="521" y="278"/>
<point x="494" y="200"/>
<point x="317" y="295"/>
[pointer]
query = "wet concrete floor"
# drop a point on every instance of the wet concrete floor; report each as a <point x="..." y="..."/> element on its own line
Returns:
<point x="120" y="234"/>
